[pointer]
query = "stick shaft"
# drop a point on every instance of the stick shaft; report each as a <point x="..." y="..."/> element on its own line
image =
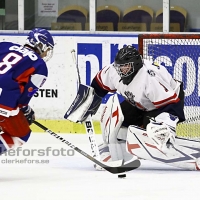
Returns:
<point x="73" y="52"/>
<point x="113" y="170"/>
<point x="91" y="136"/>
<point x="88" y="123"/>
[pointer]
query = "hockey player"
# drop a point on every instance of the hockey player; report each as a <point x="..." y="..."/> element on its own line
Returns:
<point x="154" y="100"/>
<point x="23" y="71"/>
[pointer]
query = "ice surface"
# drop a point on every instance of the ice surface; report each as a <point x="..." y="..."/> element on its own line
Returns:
<point x="74" y="178"/>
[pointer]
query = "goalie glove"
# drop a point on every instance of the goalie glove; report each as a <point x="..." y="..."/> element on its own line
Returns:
<point x="162" y="132"/>
<point x="85" y="103"/>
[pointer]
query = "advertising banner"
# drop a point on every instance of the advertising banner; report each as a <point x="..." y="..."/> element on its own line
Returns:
<point x="93" y="52"/>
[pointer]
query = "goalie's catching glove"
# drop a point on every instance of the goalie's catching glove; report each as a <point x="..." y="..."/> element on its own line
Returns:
<point x="162" y="130"/>
<point x="28" y="113"/>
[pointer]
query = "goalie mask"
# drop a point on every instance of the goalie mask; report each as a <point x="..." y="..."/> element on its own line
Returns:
<point x="127" y="63"/>
<point x="42" y="42"/>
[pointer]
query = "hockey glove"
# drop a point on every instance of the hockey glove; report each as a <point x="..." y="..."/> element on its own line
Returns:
<point x="162" y="130"/>
<point x="29" y="114"/>
<point x="85" y="103"/>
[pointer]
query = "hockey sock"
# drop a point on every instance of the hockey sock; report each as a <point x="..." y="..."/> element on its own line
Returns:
<point x="8" y="142"/>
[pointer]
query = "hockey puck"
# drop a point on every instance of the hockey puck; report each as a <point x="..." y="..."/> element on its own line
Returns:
<point x="122" y="176"/>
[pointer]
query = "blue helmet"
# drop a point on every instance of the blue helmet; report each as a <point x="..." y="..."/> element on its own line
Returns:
<point x="41" y="40"/>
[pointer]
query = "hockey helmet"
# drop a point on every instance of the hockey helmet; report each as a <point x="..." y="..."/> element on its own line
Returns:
<point x="41" y="40"/>
<point x="127" y="63"/>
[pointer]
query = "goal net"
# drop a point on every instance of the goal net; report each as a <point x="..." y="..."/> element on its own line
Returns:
<point x="180" y="54"/>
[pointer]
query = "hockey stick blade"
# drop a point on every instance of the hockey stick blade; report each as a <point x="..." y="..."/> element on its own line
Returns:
<point x="112" y="169"/>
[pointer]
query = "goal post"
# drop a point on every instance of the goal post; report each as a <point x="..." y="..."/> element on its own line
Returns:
<point x="180" y="54"/>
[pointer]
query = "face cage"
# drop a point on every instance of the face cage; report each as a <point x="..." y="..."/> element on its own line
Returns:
<point x="121" y="73"/>
<point x="43" y="49"/>
<point x="49" y="55"/>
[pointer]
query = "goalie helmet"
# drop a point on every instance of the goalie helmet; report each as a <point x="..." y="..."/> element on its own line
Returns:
<point x="42" y="42"/>
<point x="127" y="63"/>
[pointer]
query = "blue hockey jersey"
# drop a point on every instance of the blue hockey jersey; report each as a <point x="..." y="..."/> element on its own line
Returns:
<point x="22" y="73"/>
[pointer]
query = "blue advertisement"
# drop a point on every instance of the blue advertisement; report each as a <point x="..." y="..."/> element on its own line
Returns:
<point x="96" y="50"/>
<point x="95" y="61"/>
<point x="180" y="60"/>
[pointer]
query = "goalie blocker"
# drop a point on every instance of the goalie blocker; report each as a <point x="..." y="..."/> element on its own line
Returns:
<point x="85" y="103"/>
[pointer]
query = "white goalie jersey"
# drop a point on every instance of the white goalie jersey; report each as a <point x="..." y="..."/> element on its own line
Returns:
<point x="151" y="88"/>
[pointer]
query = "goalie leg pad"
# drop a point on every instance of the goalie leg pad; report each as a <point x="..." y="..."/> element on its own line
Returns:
<point x="113" y="135"/>
<point x="118" y="150"/>
<point x="111" y="120"/>
<point x="184" y="154"/>
<point x="104" y="153"/>
<point x="115" y="152"/>
<point x="121" y="138"/>
<point x="122" y="134"/>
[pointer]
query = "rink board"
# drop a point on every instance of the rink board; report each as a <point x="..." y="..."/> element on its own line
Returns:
<point x="93" y="52"/>
<point x="65" y="126"/>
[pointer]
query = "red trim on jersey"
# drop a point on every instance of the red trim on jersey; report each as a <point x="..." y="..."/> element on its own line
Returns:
<point x="8" y="139"/>
<point x="7" y="108"/>
<point x="24" y="78"/>
<point x="172" y="99"/>
<point x="21" y="105"/>
<point x="99" y="81"/>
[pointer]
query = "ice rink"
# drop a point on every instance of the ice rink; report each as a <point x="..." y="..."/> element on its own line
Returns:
<point x="66" y="177"/>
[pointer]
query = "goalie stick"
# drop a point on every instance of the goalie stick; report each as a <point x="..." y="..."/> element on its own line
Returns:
<point x="88" y="122"/>
<point x="74" y="60"/>
<point x="116" y="167"/>
<point x="91" y="136"/>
